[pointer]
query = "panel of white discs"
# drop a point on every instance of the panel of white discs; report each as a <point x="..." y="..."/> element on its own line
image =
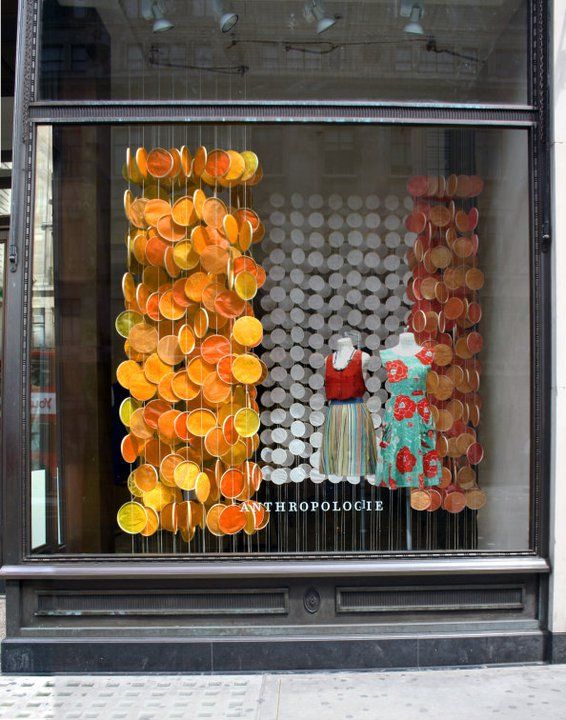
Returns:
<point x="334" y="264"/>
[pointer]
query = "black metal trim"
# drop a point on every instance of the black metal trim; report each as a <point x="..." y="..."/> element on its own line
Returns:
<point x="281" y="112"/>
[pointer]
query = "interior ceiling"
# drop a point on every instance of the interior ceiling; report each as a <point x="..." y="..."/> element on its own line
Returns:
<point x="475" y="23"/>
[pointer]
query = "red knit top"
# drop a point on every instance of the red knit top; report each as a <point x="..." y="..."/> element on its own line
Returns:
<point x="345" y="384"/>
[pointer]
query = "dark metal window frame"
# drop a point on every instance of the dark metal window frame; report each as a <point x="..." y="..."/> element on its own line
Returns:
<point x="30" y="113"/>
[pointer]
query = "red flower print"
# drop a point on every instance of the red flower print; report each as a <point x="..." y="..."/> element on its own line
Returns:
<point x="396" y="370"/>
<point x="423" y="408"/>
<point x="426" y="356"/>
<point x="404" y="407"/>
<point x="405" y="460"/>
<point x="430" y="464"/>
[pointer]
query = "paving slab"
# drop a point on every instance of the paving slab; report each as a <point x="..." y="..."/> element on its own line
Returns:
<point x="517" y="693"/>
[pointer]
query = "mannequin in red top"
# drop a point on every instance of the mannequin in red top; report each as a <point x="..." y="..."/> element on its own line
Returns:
<point x="349" y="446"/>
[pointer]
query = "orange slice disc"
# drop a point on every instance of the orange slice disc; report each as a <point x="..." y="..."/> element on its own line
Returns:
<point x="167" y="468"/>
<point x="213" y="348"/>
<point x="214" y="259"/>
<point x="202" y="487"/>
<point x="247" y="331"/>
<point x="224" y="368"/>
<point x="229" y="304"/>
<point x="198" y="370"/>
<point x="128" y="287"/>
<point x="155" y="251"/>
<point x="136" y="214"/>
<point x="130" y="448"/>
<point x="439" y="215"/>
<point x="152" y="524"/>
<point x="213" y="212"/>
<point x="183" y="212"/>
<point x="141" y="161"/>
<point x="159" y="163"/>
<point x="169" y="230"/>
<point x="179" y="295"/>
<point x="251" y="165"/>
<point x="153" y="410"/>
<point x="232" y="519"/>
<point x="245" y="235"/>
<point x="183" y="387"/>
<point x="453" y="308"/>
<point x="181" y="426"/>
<point x="143" y="338"/>
<point x="230" y="228"/>
<point x="145" y="477"/>
<point x="200" y="421"/>
<point x="199" y="162"/>
<point x="154" y="209"/>
<point x="168" y="517"/>
<point x="169" y="308"/>
<point x="126" y="371"/>
<point x="232" y="483"/>
<point x="229" y="430"/>
<point x="195" y="284"/>
<point x="138" y="248"/>
<point x="186" y="339"/>
<point x="166" y="426"/>
<point x="141" y="388"/>
<point x="246" y="369"/>
<point x="441" y="256"/>
<point x="215" y="390"/>
<point x="246" y="422"/>
<point x="132" y="518"/>
<point x="245" y="285"/>
<point x="198" y="201"/>
<point x="210" y="293"/>
<point x="184" y="255"/>
<point x="243" y="214"/>
<point x="212" y="519"/>
<point x="169" y="351"/>
<point x="139" y="427"/>
<point x="200" y="323"/>
<point x="237" y="167"/>
<point x="215" y="442"/>
<point x="217" y="163"/>
<point x="165" y="389"/>
<point x="154" y="368"/>
<point x="185" y="475"/>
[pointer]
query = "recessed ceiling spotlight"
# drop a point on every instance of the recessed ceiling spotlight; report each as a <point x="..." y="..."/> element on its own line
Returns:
<point x="414" y="12"/>
<point x="315" y="10"/>
<point x="153" y="10"/>
<point x="226" y="18"/>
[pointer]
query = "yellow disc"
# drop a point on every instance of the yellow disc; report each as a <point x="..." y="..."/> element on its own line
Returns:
<point x="200" y="421"/>
<point x="202" y="487"/>
<point x="246" y="369"/>
<point x="159" y="497"/>
<point x="245" y="285"/>
<point x="185" y="255"/>
<point x="246" y="422"/>
<point x="126" y="320"/>
<point x="247" y="331"/>
<point x="185" y="475"/>
<point x="132" y="487"/>
<point x="127" y="409"/>
<point x="252" y="163"/>
<point x="132" y="518"/>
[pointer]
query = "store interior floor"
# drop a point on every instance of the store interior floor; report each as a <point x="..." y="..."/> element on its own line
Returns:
<point x="521" y="693"/>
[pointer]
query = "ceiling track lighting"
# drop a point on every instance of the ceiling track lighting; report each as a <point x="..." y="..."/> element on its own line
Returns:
<point x="227" y="19"/>
<point x="414" y="12"/>
<point x="315" y="10"/>
<point x="152" y="10"/>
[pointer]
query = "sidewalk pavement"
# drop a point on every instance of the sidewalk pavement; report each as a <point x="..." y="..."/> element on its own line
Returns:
<point x="521" y="693"/>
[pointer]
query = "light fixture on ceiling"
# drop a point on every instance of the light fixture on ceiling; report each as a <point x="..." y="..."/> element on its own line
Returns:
<point x="153" y="10"/>
<point x="226" y="18"/>
<point x="414" y="12"/>
<point x="315" y="10"/>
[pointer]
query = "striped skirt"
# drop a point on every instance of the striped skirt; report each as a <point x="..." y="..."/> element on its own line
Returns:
<point x="349" y="446"/>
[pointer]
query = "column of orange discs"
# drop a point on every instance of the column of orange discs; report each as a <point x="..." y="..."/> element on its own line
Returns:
<point x="189" y="330"/>
<point x="445" y="316"/>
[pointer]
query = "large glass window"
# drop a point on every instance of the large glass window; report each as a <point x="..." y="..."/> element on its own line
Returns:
<point x="288" y="50"/>
<point x="178" y="299"/>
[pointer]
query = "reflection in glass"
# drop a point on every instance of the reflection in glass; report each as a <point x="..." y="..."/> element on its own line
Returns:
<point x="358" y="50"/>
<point x="337" y="253"/>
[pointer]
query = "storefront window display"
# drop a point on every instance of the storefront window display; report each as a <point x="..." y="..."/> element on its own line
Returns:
<point x="282" y="339"/>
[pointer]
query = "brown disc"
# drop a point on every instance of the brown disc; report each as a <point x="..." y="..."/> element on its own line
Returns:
<point x="143" y="338"/>
<point x="435" y="499"/>
<point x="420" y="499"/>
<point x="446" y="477"/>
<point x="474" y="279"/>
<point x="454" y="501"/>
<point x="466" y="477"/>
<point x="443" y="355"/>
<point x="475" y="499"/>
<point x="445" y="421"/>
<point x="444" y="388"/>
<point x="169" y="351"/>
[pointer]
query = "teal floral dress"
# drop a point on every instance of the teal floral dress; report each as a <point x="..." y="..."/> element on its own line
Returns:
<point x="408" y="456"/>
